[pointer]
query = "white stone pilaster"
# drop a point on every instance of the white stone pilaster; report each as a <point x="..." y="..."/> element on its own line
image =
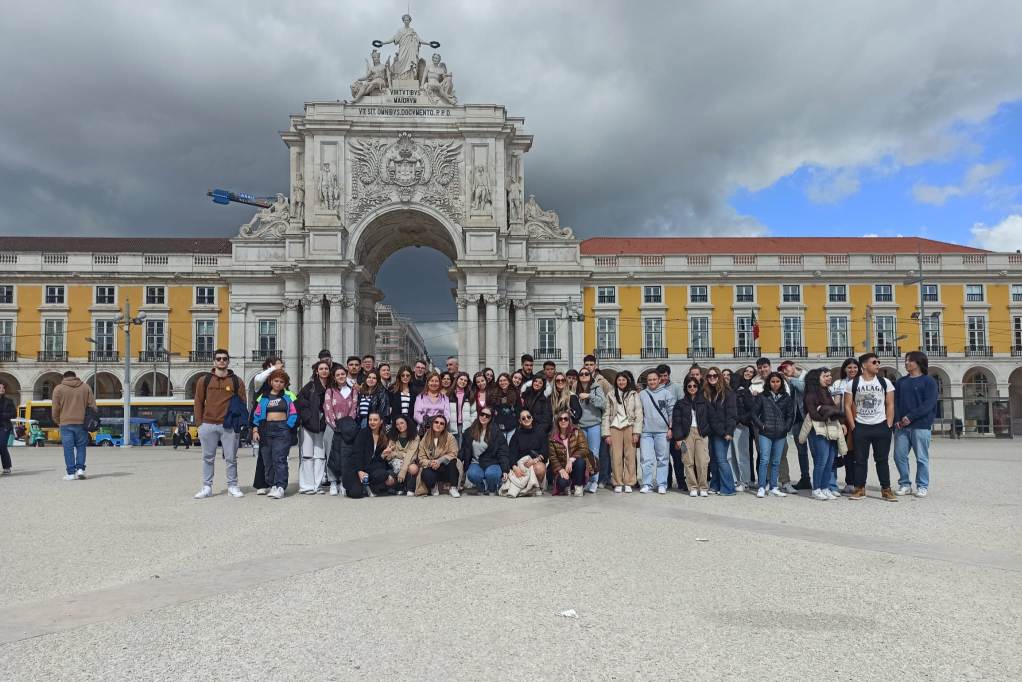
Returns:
<point x="472" y="335"/>
<point x="292" y="328"/>
<point x="521" y="329"/>
<point x="491" y="331"/>
<point x="336" y="326"/>
<point x="313" y="328"/>
<point x="502" y="336"/>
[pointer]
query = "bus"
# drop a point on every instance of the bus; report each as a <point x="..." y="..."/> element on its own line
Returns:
<point x="163" y="410"/>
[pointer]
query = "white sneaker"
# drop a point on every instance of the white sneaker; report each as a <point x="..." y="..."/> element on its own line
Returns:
<point x="777" y="492"/>
<point x="618" y="489"/>
<point x="703" y="493"/>
<point x="789" y="489"/>
<point x="578" y="491"/>
<point x="833" y="494"/>
<point x="592" y="487"/>
<point x="819" y="495"/>
<point x="262" y="491"/>
<point x="370" y="493"/>
<point x="628" y="488"/>
<point x="276" y="493"/>
<point x="333" y="489"/>
<point x="436" y="491"/>
<point x="662" y="490"/>
<point x="80" y="474"/>
<point x="455" y="493"/>
<point x="645" y="489"/>
<point x="903" y="490"/>
<point x="740" y="488"/>
<point x="761" y="492"/>
<point x="235" y="491"/>
<point x="69" y="477"/>
<point x="204" y="493"/>
<point x="922" y="492"/>
<point x="693" y="492"/>
<point x="7" y="471"/>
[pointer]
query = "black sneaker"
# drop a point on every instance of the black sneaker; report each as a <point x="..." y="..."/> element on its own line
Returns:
<point x="803" y="485"/>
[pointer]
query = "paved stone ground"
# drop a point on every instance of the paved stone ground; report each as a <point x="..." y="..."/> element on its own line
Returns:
<point x="124" y="576"/>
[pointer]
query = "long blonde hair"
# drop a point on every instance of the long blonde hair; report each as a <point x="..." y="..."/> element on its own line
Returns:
<point x="560" y="399"/>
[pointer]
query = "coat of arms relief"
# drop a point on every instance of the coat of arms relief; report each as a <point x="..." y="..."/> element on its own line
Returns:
<point x="385" y="171"/>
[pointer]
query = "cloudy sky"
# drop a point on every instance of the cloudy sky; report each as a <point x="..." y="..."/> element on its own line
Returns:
<point x="666" y="118"/>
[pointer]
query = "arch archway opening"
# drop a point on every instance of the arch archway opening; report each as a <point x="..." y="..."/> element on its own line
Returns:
<point x="13" y="387"/>
<point x="1015" y="400"/>
<point x="979" y="387"/>
<point x="106" y="386"/>
<point x="44" y="385"/>
<point x="153" y="385"/>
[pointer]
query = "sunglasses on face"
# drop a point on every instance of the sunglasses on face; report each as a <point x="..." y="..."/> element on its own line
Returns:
<point x="712" y="376"/>
<point x="439" y="422"/>
<point x="221" y="358"/>
<point x="525" y="418"/>
<point x="560" y="381"/>
<point x="485" y="414"/>
<point x="563" y="419"/>
<point x="583" y="374"/>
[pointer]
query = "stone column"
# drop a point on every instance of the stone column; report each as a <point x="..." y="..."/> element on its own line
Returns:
<point x="462" y="303"/>
<point x="313" y="327"/>
<point x="236" y="341"/>
<point x="492" y="344"/>
<point x="472" y="335"/>
<point x="578" y="340"/>
<point x="336" y="326"/>
<point x="350" y="331"/>
<point x="502" y="340"/>
<point x="521" y="329"/>
<point x="292" y="327"/>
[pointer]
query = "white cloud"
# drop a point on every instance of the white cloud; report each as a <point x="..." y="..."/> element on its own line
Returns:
<point x="1004" y="236"/>
<point x="976" y="180"/>
<point x="441" y="339"/>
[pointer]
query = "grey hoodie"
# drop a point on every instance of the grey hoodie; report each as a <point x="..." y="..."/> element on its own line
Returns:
<point x="663" y="398"/>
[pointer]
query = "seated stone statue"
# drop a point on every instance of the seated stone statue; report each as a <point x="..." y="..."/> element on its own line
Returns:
<point x="375" y="81"/>
<point x="438" y="82"/>
<point x="542" y="223"/>
<point x="268" y="222"/>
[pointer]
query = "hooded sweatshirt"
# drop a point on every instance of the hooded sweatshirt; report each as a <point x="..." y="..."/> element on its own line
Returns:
<point x="652" y="420"/>
<point x="70" y="400"/>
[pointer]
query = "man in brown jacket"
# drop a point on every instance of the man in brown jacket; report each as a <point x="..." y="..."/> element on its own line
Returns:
<point x="213" y="394"/>
<point x="71" y="398"/>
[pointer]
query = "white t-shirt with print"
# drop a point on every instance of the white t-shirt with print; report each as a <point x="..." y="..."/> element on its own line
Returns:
<point x="870" y="406"/>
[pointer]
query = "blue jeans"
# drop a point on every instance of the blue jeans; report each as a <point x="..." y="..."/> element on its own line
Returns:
<point x="824" y="452"/>
<point x="919" y="441"/>
<point x="593" y="439"/>
<point x="653" y="452"/>
<point x="487" y="480"/>
<point x="722" y="479"/>
<point x="74" y="438"/>
<point x="770" y="453"/>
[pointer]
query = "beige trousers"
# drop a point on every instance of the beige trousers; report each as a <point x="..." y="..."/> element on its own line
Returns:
<point x="622" y="456"/>
<point x="696" y="460"/>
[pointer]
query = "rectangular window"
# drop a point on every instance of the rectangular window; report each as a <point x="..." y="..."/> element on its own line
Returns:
<point x="791" y="293"/>
<point x="974" y="293"/>
<point x="1016" y="293"/>
<point x="7" y="335"/>
<point x="6" y="293"/>
<point x="267" y="337"/>
<point x="743" y="332"/>
<point x="154" y="335"/>
<point x="104" y="335"/>
<point x="838" y="331"/>
<point x="745" y="293"/>
<point x="885" y="332"/>
<point x="547" y="334"/>
<point x="205" y="336"/>
<point x="53" y="335"/>
<point x="55" y="294"/>
<point x="652" y="294"/>
<point x="883" y="293"/>
<point x="105" y="296"/>
<point x="1016" y="333"/>
<point x="792" y="332"/>
<point x="931" y="332"/>
<point x="977" y="326"/>
<point x="698" y="293"/>
<point x="653" y="332"/>
<point x="837" y="293"/>
<point x="606" y="295"/>
<point x="205" y="295"/>
<point x="155" y="295"/>
<point x="606" y="332"/>
<point x="699" y="332"/>
<point x="930" y="293"/>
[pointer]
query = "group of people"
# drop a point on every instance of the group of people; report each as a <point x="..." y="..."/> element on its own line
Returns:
<point x="365" y="430"/>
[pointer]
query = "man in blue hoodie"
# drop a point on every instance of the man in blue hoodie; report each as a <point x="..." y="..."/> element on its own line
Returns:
<point x="915" y="406"/>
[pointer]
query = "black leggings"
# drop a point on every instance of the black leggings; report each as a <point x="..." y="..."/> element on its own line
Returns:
<point x="446" y="472"/>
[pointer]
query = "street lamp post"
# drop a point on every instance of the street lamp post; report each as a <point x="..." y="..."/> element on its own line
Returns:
<point x="95" y="364"/>
<point x="126" y="321"/>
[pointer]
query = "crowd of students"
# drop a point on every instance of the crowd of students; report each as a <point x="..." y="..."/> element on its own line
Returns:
<point x="365" y="430"/>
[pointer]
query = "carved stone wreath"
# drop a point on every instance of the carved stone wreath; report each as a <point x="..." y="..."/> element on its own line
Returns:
<point x="401" y="170"/>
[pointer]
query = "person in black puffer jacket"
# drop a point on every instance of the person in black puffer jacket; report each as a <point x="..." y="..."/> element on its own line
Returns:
<point x="690" y="427"/>
<point x="366" y="459"/>
<point x="721" y="412"/>
<point x="309" y="403"/>
<point x="531" y="443"/>
<point x="773" y="416"/>
<point x="534" y="400"/>
<point x="345" y="431"/>
<point x="484" y="453"/>
<point x="507" y="401"/>
<point x="742" y="440"/>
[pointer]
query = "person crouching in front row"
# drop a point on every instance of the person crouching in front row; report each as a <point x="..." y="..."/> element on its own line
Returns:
<point x="401" y="453"/>
<point x="484" y="453"/>
<point x="570" y="461"/>
<point x="366" y="472"/>
<point x="438" y="459"/>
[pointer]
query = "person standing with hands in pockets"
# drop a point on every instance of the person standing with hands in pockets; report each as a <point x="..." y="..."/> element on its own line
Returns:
<point x="869" y="406"/>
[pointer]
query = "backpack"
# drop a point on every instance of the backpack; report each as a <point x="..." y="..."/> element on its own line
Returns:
<point x="237" y="412"/>
<point x="855" y="385"/>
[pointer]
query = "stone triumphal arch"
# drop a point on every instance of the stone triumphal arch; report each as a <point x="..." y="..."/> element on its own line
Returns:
<point x="403" y="163"/>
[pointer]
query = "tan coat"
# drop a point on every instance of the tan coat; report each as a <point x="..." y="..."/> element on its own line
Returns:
<point x="430" y="450"/>
<point x="71" y="398"/>
<point x="578" y="446"/>
<point x="408" y="453"/>
<point x="632" y="408"/>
